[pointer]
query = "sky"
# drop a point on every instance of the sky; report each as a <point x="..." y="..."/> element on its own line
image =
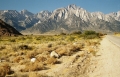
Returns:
<point x="35" y="6"/>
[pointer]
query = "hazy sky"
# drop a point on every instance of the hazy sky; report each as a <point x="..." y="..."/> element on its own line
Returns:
<point x="34" y="6"/>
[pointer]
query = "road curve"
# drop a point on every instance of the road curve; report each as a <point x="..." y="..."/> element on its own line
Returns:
<point x="114" y="39"/>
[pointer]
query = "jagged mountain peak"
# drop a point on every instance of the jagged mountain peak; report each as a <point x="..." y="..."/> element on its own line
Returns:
<point x="10" y="11"/>
<point x="10" y="14"/>
<point x="98" y="12"/>
<point x="118" y="13"/>
<point x="45" y="11"/>
<point x="26" y="13"/>
<point x="72" y="6"/>
<point x="70" y="10"/>
<point x="24" y="10"/>
<point x="43" y="15"/>
<point x="115" y="15"/>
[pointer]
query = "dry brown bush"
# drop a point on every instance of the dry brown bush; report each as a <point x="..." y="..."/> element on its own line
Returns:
<point x="23" y="62"/>
<point x="45" y="53"/>
<point x="92" y="43"/>
<point x="18" y="59"/>
<point x="5" y="69"/>
<point x="44" y="50"/>
<point x="49" y="45"/>
<point x="36" y="66"/>
<point x="62" y="51"/>
<point x="72" y="49"/>
<point x="31" y="54"/>
<point x="2" y="47"/>
<point x="68" y="50"/>
<point x="92" y="50"/>
<point x="75" y="48"/>
<point x="82" y="54"/>
<point x="51" y="60"/>
<point x="41" y="58"/>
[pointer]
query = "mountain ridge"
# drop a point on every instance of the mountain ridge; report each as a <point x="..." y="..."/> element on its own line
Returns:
<point x="65" y="19"/>
<point x="7" y="30"/>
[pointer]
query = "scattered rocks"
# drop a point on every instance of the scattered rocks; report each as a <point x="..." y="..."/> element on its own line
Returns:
<point x="33" y="59"/>
<point x="54" y="54"/>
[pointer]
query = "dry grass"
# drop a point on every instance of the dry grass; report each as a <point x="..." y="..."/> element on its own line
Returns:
<point x="68" y="49"/>
<point x="18" y="59"/>
<point x="5" y="69"/>
<point x="14" y="49"/>
<point x="2" y="47"/>
<point x="36" y="66"/>
<point x="91" y="46"/>
<point x="31" y="54"/>
<point x="41" y="59"/>
<point x="34" y="74"/>
<point x="75" y="48"/>
<point x="117" y="34"/>
<point x="92" y="50"/>
<point x="92" y="42"/>
<point x="30" y="74"/>
<point x="51" y="60"/>
<point x="82" y="54"/>
<point x="62" y="51"/>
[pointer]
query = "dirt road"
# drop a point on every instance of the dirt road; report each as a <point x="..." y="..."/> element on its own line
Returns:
<point x="107" y="61"/>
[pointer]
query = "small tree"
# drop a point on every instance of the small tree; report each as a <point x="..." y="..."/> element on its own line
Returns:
<point x="90" y="35"/>
<point x="89" y="32"/>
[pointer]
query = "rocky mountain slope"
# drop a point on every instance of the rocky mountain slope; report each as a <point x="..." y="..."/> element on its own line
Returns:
<point x="19" y="20"/>
<point x="7" y="30"/>
<point x="66" y="19"/>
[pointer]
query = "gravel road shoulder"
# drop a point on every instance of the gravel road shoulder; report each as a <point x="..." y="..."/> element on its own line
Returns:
<point x="107" y="61"/>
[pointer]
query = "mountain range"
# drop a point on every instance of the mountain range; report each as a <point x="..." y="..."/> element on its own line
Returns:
<point x="66" y="19"/>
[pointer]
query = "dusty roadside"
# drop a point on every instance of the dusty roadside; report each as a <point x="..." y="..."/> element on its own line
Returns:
<point x="107" y="61"/>
<point x="73" y="66"/>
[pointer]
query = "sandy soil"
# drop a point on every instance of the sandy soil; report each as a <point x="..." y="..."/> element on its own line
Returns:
<point x="107" y="61"/>
<point x="71" y="66"/>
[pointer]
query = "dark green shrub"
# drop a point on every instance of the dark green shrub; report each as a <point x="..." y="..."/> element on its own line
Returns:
<point x="71" y="38"/>
<point x="25" y="47"/>
<point x="89" y="32"/>
<point x="12" y="40"/>
<point x="2" y="47"/>
<point x="62" y="33"/>
<point x="90" y="35"/>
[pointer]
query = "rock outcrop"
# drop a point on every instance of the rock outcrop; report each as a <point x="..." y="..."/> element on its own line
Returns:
<point x="7" y="30"/>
